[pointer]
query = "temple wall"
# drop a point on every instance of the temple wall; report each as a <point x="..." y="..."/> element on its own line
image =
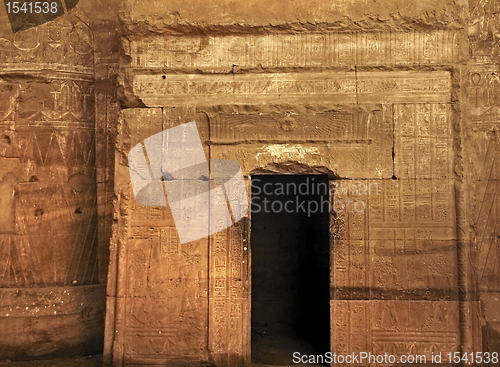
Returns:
<point x="399" y="96"/>
<point x="404" y="99"/>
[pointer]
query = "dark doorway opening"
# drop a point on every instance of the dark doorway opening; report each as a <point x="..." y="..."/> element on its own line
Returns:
<point x="290" y="267"/>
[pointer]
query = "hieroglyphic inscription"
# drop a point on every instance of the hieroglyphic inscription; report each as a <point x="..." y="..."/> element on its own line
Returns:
<point x="63" y="45"/>
<point x="237" y="89"/>
<point x="66" y="103"/>
<point x="395" y="327"/>
<point x="350" y="327"/>
<point x="296" y="50"/>
<point x="228" y="297"/>
<point x="482" y="88"/>
<point x="343" y="87"/>
<point x="165" y="291"/>
<point x="342" y="126"/>
<point x="424" y="141"/>
<point x="351" y="263"/>
<point x="403" y="202"/>
<point x="414" y="327"/>
<point x="218" y="294"/>
<point x="414" y="217"/>
<point x="238" y="291"/>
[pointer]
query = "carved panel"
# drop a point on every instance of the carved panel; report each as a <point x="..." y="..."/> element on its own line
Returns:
<point x="398" y="255"/>
<point x="396" y="243"/>
<point x="414" y="327"/>
<point x="343" y="87"/>
<point x="62" y="45"/>
<point x="289" y="124"/>
<point x="295" y="50"/>
<point x="49" y="128"/>
<point x="162" y="297"/>
<point x="412" y="219"/>
<point x="362" y="147"/>
<point x="398" y="328"/>
<point x="166" y="293"/>
<point x="482" y="91"/>
<point x="423" y="141"/>
<point x="229" y="327"/>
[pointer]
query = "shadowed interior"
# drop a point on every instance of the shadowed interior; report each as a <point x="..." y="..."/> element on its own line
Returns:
<point x="290" y="267"/>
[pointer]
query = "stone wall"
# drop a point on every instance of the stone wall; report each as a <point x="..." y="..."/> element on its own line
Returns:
<point x="402" y="96"/>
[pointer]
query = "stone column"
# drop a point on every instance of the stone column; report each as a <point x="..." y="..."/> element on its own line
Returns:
<point x="53" y="267"/>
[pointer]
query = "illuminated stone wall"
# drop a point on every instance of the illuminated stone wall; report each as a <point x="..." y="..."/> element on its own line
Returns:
<point x="402" y="96"/>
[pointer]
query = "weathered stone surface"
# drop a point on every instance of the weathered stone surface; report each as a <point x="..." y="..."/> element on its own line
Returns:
<point x="51" y="321"/>
<point x="402" y="245"/>
<point x="158" y="303"/>
<point x="141" y="16"/>
<point x="298" y="97"/>
<point x="491" y="322"/>
<point x="396" y="102"/>
<point x="416" y="328"/>
<point x="343" y="87"/>
<point x="49" y="188"/>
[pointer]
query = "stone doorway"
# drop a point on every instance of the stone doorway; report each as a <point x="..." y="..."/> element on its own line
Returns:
<point x="290" y="267"/>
